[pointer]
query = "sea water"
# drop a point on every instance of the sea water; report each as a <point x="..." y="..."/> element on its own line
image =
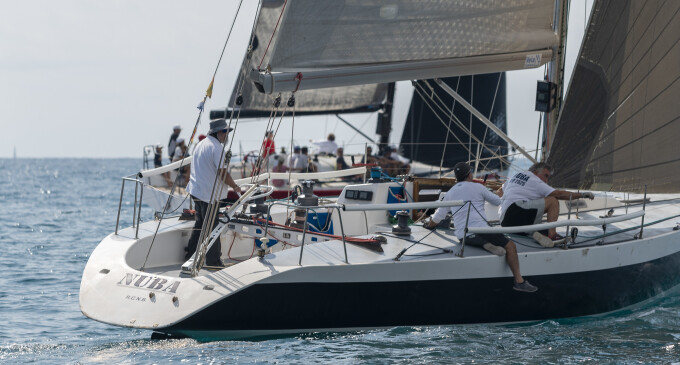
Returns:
<point x="53" y="212"/>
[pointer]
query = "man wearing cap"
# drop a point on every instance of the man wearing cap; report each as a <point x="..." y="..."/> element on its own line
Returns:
<point x="173" y="141"/>
<point x="476" y="194"/>
<point x="527" y="196"/>
<point x="180" y="150"/>
<point x="209" y="161"/>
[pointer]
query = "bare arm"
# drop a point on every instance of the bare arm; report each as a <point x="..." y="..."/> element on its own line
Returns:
<point x="566" y="195"/>
<point x="499" y="192"/>
<point x="228" y="180"/>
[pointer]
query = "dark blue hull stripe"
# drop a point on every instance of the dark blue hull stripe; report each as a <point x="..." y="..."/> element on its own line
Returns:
<point x="299" y="306"/>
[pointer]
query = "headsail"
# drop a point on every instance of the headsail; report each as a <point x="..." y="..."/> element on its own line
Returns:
<point x="619" y="125"/>
<point x="355" y="99"/>
<point x="323" y="43"/>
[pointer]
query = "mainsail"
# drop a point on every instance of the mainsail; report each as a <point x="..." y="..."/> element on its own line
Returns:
<point x="329" y="43"/>
<point x="355" y="99"/>
<point x="619" y="125"/>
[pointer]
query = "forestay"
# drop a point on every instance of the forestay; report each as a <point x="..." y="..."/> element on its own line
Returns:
<point x="619" y="126"/>
<point x="324" y="43"/>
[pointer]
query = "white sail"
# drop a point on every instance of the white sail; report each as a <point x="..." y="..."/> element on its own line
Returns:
<point x="322" y="43"/>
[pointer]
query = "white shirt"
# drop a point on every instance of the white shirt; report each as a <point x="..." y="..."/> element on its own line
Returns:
<point x="178" y="154"/>
<point x="327" y="147"/>
<point x="204" y="166"/>
<point x="523" y="186"/>
<point x="290" y="161"/>
<point x="301" y="162"/>
<point x="397" y="157"/>
<point x="474" y="192"/>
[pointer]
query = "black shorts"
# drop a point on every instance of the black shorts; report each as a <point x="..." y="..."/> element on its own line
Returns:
<point x="479" y="239"/>
<point x="518" y="216"/>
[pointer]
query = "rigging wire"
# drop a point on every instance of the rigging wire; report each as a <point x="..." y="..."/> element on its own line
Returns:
<point x="421" y="93"/>
<point x="292" y="151"/>
<point x="191" y="140"/>
<point x="213" y="206"/>
<point x="419" y="89"/>
<point x="360" y="128"/>
<point x="440" y="104"/>
<point x="493" y="104"/>
<point x="446" y="140"/>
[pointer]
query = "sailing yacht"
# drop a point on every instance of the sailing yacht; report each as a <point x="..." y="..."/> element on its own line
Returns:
<point x="336" y="265"/>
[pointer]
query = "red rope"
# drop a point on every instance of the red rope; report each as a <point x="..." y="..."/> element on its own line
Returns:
<point x="272" y="37"/>
<point x="298" y="77"/>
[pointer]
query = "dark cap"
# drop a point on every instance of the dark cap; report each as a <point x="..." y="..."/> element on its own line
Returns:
<point x="219" y="125"/>
<point x="462" y="170"/>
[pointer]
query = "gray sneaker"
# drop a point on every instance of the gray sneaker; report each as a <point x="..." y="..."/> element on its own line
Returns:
<point x="525" y="286"/>
<point x="496" y="250"/>
<point x="543" y="240"/>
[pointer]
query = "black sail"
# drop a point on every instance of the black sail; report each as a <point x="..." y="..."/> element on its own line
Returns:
<point x="619" y="125"/>
<point x="425" y="135"/>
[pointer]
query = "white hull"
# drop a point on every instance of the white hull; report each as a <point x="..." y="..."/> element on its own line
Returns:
<point x="276" y="295"/>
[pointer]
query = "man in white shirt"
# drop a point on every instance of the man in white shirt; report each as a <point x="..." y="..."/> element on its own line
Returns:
<point x="468" y="190"/>
<point x="527" y="196"/>
<point x="208" y="162"/>
<point x="290" y="161"/>
<point x="327" y="147"/>
<point x="301" y="161"/>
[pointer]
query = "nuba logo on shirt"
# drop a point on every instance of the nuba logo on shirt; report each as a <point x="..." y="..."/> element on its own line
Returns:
<point x="520" y="179"/>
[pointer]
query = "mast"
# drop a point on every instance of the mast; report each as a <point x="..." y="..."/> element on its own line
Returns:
<point x="556" y="75"/>
<point x="384" y="125"/>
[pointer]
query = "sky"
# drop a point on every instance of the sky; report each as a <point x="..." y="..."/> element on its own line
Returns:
<point x="82" y="78"/>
